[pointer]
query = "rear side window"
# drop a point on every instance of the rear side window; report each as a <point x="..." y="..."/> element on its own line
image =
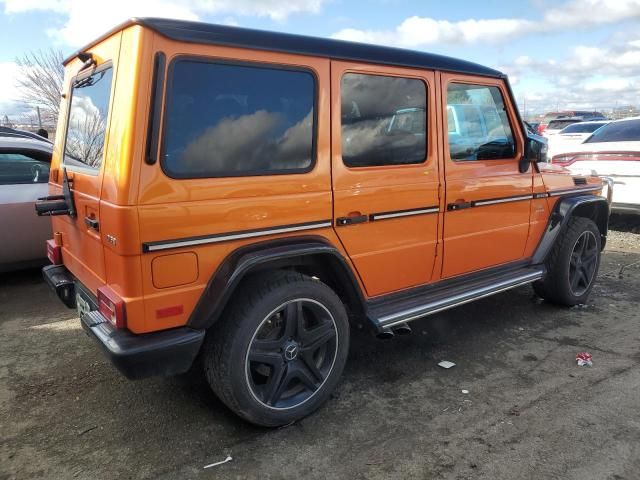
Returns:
<point x="87" y="125"/>
<point x="383" y="120"/>
<point x="478" y="125"/>
<point x="19" y="168"/>
<point x="230" y="120"/>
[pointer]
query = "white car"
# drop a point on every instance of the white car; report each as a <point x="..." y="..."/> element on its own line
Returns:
<point x="572" y="135"/>
<point x="24" y="177"/>
<point x="611" y="151"/>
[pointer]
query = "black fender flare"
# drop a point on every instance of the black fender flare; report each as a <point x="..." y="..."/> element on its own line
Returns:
<point x="281" y="253"/>
<point x="589" y="206"/>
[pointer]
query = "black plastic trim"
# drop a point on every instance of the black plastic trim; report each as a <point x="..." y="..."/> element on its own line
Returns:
<point x="155" y="109"/>
<point x="229" y="236"/>
<point x="279" y="253"/>
<point x="136" y="356"/>
<point x="561" y="214"/>
<point x="61" y="282"/>
<point x="210" y="34"/>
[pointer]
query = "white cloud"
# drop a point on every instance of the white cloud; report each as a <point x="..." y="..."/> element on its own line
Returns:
<point x="588" y="77"/>
<point x="9" y="104"/>
<point x="86" y="19"/>
<point x="419" y="31"/>
<point x="9" y="73"/>
<point x="609" y="85"/>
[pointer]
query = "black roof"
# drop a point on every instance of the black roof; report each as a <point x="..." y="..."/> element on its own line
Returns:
<point x="212" y="34"/>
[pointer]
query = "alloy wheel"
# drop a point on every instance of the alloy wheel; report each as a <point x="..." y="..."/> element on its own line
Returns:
<point x="583" y="263"/>
<point x="291" y="354"/>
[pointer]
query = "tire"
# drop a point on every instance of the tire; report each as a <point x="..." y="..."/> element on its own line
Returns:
<point x="572" y="265"/>
<point x="280" y="349"/>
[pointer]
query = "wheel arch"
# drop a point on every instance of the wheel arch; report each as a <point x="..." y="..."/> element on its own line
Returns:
<point x="311" y="255"/>
<point x="592" y="207"/>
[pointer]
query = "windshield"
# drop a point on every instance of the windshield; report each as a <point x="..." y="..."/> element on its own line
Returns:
<point x="624" y="131"/>
<point x="88" y="119"/>
<point x="586" y="127"/>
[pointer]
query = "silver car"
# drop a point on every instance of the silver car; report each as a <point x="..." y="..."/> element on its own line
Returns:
<point x="24" y="173"/>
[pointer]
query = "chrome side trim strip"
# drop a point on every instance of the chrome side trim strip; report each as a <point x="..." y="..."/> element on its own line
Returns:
<point x="406" y="213"/>
<point x="188" y="242"/>
<point x="460" y="299"/>
<point x="555" y="193"/>
<point x="479" y="203"/>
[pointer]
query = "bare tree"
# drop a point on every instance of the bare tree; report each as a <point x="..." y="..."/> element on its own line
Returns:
<point x="85" y="140"/>
<point x="41" y="80"/>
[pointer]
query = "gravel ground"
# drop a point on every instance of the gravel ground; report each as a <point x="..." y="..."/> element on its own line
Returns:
<point x="530" y="412"/>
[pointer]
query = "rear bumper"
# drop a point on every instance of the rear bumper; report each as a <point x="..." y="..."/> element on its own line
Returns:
<point x="167" y="352"/>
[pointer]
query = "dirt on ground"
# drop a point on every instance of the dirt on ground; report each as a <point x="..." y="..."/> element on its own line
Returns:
<point x="515" y="406"/>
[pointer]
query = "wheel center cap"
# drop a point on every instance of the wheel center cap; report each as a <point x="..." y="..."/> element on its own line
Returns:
<point x="290" y="351"/>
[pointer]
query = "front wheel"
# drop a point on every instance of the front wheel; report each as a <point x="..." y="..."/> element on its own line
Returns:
<point x="572" y="265"/>
<point x="280" y="351"/>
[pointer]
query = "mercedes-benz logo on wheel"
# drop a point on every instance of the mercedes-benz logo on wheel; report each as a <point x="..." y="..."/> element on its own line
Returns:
<point x="291" y="352"/>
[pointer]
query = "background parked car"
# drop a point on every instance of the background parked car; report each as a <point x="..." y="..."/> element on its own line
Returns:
<point x="572" y="135"/>
<point x="559" y="124"/>
<point x="583" y="115"/>
<point x="612" y="151"/>
<point x="24" y="174"/>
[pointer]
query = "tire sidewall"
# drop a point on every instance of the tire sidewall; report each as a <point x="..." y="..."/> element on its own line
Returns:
<point x="249" y="406"/>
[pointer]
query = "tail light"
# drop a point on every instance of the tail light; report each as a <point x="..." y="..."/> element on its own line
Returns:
<point x="112" y="307"/>
<point x="541" y="128"/>
<point x="566" y="159"/>
<point x="54" y="252"/>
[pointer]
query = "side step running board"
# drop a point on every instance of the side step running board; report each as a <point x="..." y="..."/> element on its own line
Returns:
<point x="388" y="314"/>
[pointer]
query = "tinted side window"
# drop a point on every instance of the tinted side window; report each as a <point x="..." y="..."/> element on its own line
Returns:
<point x="16" y="168"/>
<point x="478" y="124"/>
<point x="383" y="120"/>
<point x="87" y="124"/>
<point x="225" y="120"/>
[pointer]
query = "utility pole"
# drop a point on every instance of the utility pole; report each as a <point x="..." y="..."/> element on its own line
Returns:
<point x="39" y="117"/>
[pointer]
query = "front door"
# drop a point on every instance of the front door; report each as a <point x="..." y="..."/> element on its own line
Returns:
<point x="487" y="198"/>
<point x="385" y="173"/>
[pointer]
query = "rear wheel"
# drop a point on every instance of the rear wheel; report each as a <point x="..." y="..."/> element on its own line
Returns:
<point x="572" y="265"/>
<point x="280" y="351"/>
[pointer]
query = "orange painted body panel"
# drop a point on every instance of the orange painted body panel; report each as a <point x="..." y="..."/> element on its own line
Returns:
<point x="397" y="253"/>
<point x="136" y="203"/>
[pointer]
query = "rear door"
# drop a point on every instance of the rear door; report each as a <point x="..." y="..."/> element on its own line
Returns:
<point x="487" y="199"/>
<point x="88" y="103"/>
<point x="385" y="173"/>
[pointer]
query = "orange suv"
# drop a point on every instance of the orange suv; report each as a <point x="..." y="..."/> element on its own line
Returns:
<point x="239" y="197"/>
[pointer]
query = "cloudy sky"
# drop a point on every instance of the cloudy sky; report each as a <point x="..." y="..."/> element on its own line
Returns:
<point x="558" y="53"/>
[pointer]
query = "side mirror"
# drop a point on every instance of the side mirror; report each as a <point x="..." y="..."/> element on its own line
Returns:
<point x="535" y="150"/>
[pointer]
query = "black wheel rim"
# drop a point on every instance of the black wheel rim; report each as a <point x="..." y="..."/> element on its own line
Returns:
<point x="291" y="354"/>
<point x="583" y="263"/>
